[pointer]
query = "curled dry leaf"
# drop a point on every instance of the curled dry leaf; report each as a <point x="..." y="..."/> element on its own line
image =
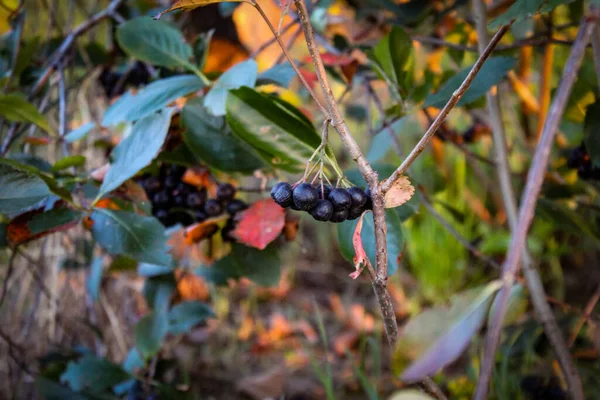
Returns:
<point x="260" y="224"/>
<point x="202" y="230"/>
<point x="400" y="192"/>
<point x="188" y="5"/>
<point x="360" y="256"/>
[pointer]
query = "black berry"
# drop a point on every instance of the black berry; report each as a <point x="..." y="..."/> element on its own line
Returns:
<point x="200" y="216"/>
<point x="176" y="171"/>
<point x="282" y="194"/>
<point x="322" y="211"/>
<point x="359" y="197"/>
<point x="195" y="200"/>
<point x="355" y="212"/>
<point x="171" y="182"/>
<point x="324" y="191"/>
<point x="305" y="196"/>
<point x="369" y="203"/>
<point x="226" y="231"/>
<point x="339" y="216"/>
<point x="152" y="184"/>
<point x="162" y="216"/>
<point x="182" y="218"/>
<point x="340" y="198"/>
<point x="183" y="189"/>
<point x="161" y="199"/>
<point x="235" y="206"/>
<point x="225" y="192"/>
<point x="585" y="171"/>
<point x="179" y="201"/>
<point x="212" y="208"/>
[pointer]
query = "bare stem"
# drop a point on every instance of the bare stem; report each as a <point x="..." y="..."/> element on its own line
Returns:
<point x="534" y="283"/>
<point x="439" y="120"/>
<point x="533" y="187"/>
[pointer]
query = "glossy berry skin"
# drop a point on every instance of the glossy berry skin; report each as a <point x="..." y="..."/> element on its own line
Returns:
<point x="339" y="216"/>
<point x="340" y="198"/>
<point x="235" y="206"/>
<point x="179" y="201"/>
<point x="161" y="199"/>
<point x="212" y="208"/>
<point x="152" y="185"/>
<point x="359" y="197"/>
<point x="183" y="189"/>
<point x="305" y="196"/>
<point x="200" y="216"/>
<point x="355" y="212"/>
<point x="324" y="191"/>
<point x="322" y="211"/>
<point x="171" y="182"/>
<point x="225" y="192"/>
<point x="369" y="203"/>
<point x="195" y="200"/>
<point x="282" y="194"/>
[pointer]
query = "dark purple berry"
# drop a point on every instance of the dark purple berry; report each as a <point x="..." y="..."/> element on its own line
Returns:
<point x="225" y="192"/>
<point x="161" y="215"/>
<point x="369" y="203"/>
<point x="183" y="189"/>
<point x="195" y="200"/>
<point x="323" y="191"/>
<point x="340" y="198"/>
<point x="182" y="217"/>
<point x="585" y="171"/>
<point x="176" y="171"/>
<point x="161" y="199"/>
<point x="235" y="206"/>
<point x="305" y="196"/>
<point x="355" y="212"/>
<point x="227" y="230"/>
<point x="359" y="197"/>
<point x="152" y="185"/>
<point x="200" y="216"/>
<point x="282" y="194"/>
<point x="339" y="216"/>
<point x="212" y="208"/>
<point x="179" y="201"/>
<point x="171" y="182"/>
<point x="322" y="211"/>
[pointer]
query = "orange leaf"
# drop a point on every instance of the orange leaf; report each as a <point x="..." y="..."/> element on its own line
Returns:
<point x="188" y="5"/>
<point x="360" y="257"/>
<point x="400" y="192"/>
<point x="260" y="224"/>
<point x="37" y="141"/>
<point x="202" y="230"/>
<point x="18" y="231"/>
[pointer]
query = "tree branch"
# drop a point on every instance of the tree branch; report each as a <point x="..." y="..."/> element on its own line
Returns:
<point x="456" y="96"/>
<point x="534" y="283"/>
<point x="533" y="187"/>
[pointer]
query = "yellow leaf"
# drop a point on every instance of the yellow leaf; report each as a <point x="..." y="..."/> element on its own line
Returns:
<point x="187" y="5"/>
<point x="400" y="192"/>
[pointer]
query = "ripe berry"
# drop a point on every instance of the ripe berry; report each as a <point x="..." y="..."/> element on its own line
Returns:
<point x="585" y="171"/>
<point x="161" y="199"/>
<point x="339" y="216"/>
<point x="226" y="231"/>
<point x="359" y="197"/>
<point x="282" y="194"/>
<point x="322" y="211"/>
<point x="369" y="203"/>
<point x="355" y="212"/>
<point x="340" y="198"/>
<point x="200" y="216"/>
<point x="225" y="192"/>
<point x="182" y="218"/>
<point x="176" y="171"/>
<point x="235" y="206"/>
<point x="179" y="201"/>
<point x="324" y="191"/>
<point x="212" y="208"/>
<point x="161" y="215"/>
<point x="183" y="189"/>
<point x="195" y="200"/>
<point x="305" y="196"/>
<point x="152" y="184"/>
<point x="171" y="182"/>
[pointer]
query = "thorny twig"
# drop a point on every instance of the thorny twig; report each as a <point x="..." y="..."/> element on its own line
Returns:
<point x="532" y="190"/>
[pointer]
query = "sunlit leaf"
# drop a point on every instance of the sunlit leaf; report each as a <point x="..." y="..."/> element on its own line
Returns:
<point x="14" y="107"/>
<point x="187" y="5"/>
<point x="410" y="394"/>
<point x="260" y="224"/>
<point x="79" y="133"/>
<point x="400" y="192"/>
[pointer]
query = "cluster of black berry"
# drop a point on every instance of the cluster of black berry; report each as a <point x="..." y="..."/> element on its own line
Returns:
<point x="115" y="84"/>
<point x="323" y="202"/>
<point x="580" y="160"/>
<point x="176" y="202"/>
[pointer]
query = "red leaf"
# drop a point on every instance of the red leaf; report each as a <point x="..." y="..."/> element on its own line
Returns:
<point x="333" y="60"/>
<point x="260" y="224"/>
<point x="360" y="257"/>
<point x="310" y="77"/>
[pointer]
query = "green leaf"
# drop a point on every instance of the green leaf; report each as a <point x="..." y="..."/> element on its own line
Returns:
<point x="20" y="190"/>
<point x="262" y="267"/>
<point x="137" y="150"/>
<point x="149" y="270"/>
<point x="242" y="74"/>
<point x="526" y="8"/>
<point x="154" y="97"/>
<point x="280" y="74"/>
<point x="438" y="336"/>
<point x="68" y="162"/>
<point x="141" y="238"/>
<point x="395" y="238"/>
<point x="184" y="316"/>
<point x="14" y="107"/>
<point x="568" y="220"/>
<point x="517" y="306"/>
<point x="3" y="239"/>
<point x="283" y="138"/>
<point x="79" y="133"/>
<point x="95" y="278"/>
<point x="95" y="374"/>
<point x="591" y="132"/>
<point x="53" y="219"/>
<point x="155" y="42"/>
<point x="491" y="73"/>
<point x="51" y="390"/>
<point x="393" y="53"/>
<point x="209" y="140"/>
<point x="150" y="332"/>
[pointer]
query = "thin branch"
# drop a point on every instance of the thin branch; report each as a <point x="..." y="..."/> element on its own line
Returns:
<point x="456" y="96"/>
<point x="586" y="316"/>
<point x="272" y="40"/>
<point x="532" y="190"/>
<point x="533" y="280"/>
